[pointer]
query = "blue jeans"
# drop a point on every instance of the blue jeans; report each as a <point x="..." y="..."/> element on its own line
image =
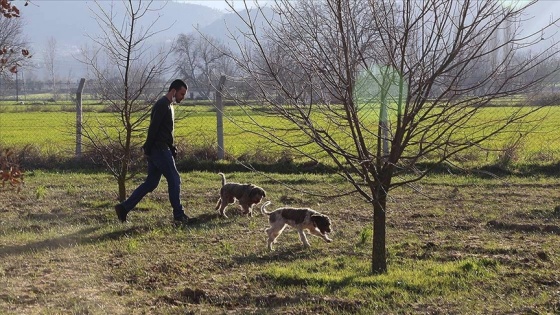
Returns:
<point x="160" y="163"/>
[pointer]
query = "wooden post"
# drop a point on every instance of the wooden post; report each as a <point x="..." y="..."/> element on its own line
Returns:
<point x="219" y="117"/>
<point x="79" y="118"/>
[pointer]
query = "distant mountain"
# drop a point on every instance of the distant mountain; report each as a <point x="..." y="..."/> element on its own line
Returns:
<point x="70" y="23"/>
<point x="230" y="25"/>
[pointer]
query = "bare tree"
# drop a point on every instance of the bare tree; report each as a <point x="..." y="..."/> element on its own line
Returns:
<point x="51" y="52"/>
<point x="378" y="86"/>
<point x="126" y="68"/>
<point x="201" y="60"/>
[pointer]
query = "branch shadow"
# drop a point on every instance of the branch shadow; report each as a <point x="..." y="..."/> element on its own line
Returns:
<point x="209" y="221"/>
<point x="284" y="254"/>
<point x="82" y="236"/>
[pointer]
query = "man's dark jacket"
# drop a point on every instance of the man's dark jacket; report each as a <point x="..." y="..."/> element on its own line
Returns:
<point x="160" y="132"/>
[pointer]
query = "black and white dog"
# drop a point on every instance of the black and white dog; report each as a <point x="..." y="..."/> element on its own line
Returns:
<point x="299" y="218"/>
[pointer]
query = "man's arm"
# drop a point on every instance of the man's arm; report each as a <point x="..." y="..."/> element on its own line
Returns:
<point x="159" y="112"/>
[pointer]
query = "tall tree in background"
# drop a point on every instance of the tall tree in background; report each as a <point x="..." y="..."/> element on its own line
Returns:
<point x="377" y="86"/>
<point x="125" y="67"/>
<point x="201" y="61"/>
<point x="51" y="51"/>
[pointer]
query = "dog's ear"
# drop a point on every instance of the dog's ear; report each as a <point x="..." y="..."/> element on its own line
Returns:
<point x="315" y="218"/>
<point x="322" y="222"/>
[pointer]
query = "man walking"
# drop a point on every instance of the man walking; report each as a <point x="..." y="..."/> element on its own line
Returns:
<point x="160" y="151"/>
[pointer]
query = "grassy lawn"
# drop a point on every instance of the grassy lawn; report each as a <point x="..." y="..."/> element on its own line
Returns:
<point x="53" y="132"/>
<point x="456" y="245"/>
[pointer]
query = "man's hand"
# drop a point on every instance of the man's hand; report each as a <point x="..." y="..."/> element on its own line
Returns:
<point x="174" y="151"/>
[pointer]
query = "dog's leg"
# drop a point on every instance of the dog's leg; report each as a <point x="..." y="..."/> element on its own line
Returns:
<point x="273" y="232"/>
<point x="250" y="210"/>
<point x="223" y="209"/>
<point x="221" y="205"/>
<point x="303" y="238"/>
<point x="318" y="233"/>
<point x="271" y="237"/>
<point x="246" y="208"/>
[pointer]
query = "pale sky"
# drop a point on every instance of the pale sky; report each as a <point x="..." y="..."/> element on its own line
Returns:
<point x="515" y="3"/>
<point x="221" y="4"/>
<point x="238" y="4"/>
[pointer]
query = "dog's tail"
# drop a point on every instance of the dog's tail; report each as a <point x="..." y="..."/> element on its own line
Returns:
<point x="263" y="208"/>
<point x="223" y="178"/>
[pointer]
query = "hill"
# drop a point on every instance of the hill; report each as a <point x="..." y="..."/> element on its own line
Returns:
<point x="72" y="23"/>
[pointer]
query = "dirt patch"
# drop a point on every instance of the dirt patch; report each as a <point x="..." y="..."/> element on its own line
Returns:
<point x="540" y="228"/>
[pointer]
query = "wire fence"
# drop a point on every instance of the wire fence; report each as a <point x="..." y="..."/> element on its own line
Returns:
<point x="200" y="131"/>
<point x="50" y="119"/>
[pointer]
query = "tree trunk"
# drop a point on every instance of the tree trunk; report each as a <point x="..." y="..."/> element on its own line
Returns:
<point x="379" y="259"/>
<point x="122" y="188"/>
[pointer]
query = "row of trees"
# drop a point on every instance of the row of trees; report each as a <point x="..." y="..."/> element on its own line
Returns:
<point x="422" y="69"/>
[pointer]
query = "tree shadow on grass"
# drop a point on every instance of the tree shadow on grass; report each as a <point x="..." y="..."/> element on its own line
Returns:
<point x="83" y="236"/>
<point x="213" y="220"/>
<point x="285" y="254"/>
<point x="208" y="221"/>
<point x="82" y="217"/>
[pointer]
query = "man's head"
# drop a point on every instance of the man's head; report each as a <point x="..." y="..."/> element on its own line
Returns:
<point x="179" y="89"/>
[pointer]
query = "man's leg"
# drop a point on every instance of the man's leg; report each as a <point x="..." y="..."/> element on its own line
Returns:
<point x="149" y="184"/>
<point x="166" y="164"/>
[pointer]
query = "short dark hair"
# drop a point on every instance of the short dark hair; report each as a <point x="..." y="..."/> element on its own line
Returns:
<point x="177" y="84"/>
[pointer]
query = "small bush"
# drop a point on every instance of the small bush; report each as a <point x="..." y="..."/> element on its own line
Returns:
<point x="543" y="99"/>
<point x="266" y="156"/>
<point x="511" y="151"/>
<point x="205" y="152"/>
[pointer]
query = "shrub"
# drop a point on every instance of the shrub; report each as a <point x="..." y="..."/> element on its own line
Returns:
<point x="543" y="99"/>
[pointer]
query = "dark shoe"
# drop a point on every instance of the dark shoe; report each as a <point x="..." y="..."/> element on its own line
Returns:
<point x="121" y="212"/>
<point x="183" y="220"/>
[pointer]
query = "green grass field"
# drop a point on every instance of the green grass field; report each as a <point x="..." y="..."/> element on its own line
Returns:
<point x="53" y="132"/>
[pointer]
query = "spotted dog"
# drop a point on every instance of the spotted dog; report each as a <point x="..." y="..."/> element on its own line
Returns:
<point x="299" y="218"/>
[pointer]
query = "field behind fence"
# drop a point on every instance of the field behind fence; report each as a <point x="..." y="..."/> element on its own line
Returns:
<point x="52" y="130"/>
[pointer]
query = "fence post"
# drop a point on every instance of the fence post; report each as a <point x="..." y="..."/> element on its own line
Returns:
<point x="79" y="117"/>
<point x="219" y="117"/>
